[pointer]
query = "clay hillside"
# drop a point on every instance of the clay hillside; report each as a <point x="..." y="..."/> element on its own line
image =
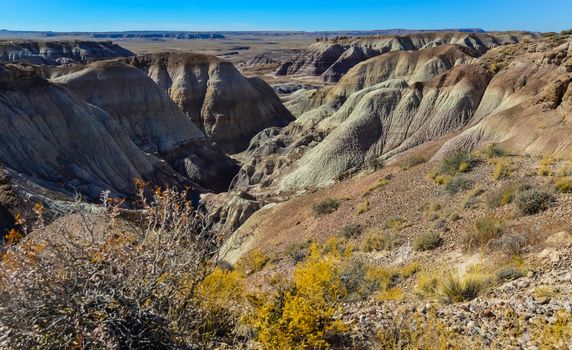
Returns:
<point x="411" y="190"/>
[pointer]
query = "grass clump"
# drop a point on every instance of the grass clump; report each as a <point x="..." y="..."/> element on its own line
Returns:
<point x="252" y="262"/>
<point x="390" y="294"/>
<point x="533" y="201"/>
<point x="456" y="184"/>
<point x="378" y="240"/>
<point x="502" y="170"/>
<point x="327" y="206"/>
<point x="472" y="199"/>
<point x="486" y="229"/>
<point x="428" y="241"/>
<point x="545" y="167"/>
<point x="410" y="162"/>
<point x="351" y="231"/>
<point x="455" y="289"/>
<point x="379" y="184"/>
<point x="363" y="207"/>
<point x="564" y="184"/>
<point x="396" y="223"/>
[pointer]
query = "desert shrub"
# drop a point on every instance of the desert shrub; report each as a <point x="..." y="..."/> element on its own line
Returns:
<point x="408" y="331"/>
<point x="454" y="289"/>
<point x="493" y="150"/>
<point x="351" y="230"/>
<point x="375" y="164"/>
<point x="502" y="170"/>
<point x="442" y="179"/>
<point x="456" y="184"/>
<point x="472" y="198"/>
<point x="395" y="223"/>
<point x="508" y="274"/>
<point x="410" y="269"/>
<point x="102" y="284"/>
<point x="509" y="244"/>
<point x="431" y="210"/>
<point x="545" y="168"/>
<point x="252" y="262"/>
<point x="500" y="197"/>
<point x="427" y="284"/>
<point x="363" y="207"/>
<point x="302" y="316"/>
<point x="486" y="229"/>
<point x="440" y="225"/>
<point x="410" y="162"/>
<point x="506" y="194"/>
<point x="362" y="280"/>
<point x="459" y="162"/>
<point x="377" y="240"/>
<point x="220" y="296"/>
<point x="327" y="206"/>
<point x="564" y="184"/>
<point x="533" y="201"/>
<point x="427" y="241"/>
<point x="299" y="251"/>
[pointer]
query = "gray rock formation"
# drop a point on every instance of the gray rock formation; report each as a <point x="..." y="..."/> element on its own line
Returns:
<point x="332" y="59"/>
<point x="89" y="132"/>
<point x="389" y="118"/>
<point x="59" y="52"/>
<point x="228" y="107"/>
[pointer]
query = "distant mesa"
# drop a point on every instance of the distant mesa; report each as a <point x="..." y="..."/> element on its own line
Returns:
<point x="59" y="52"/>
<point x="157" y="35"/>
<point x="331" y="58"/>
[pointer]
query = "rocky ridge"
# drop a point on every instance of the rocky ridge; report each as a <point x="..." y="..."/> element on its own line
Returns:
<point x="59" y="52"/>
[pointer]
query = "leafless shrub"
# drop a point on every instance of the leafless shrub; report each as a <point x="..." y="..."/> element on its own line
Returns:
<point x="110" y="285"/>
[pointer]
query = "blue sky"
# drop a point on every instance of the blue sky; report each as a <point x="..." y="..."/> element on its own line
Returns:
<point x="309" y="15"/>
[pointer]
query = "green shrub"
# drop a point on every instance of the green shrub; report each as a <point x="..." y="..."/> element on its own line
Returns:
<point x="327" y="206"/>
<point x="493" y="150"/>
<point x="533" y="201"/>
<point x="351" y="230"/>
<point x="506" y="194"/>
<point x="456" y="163"/>
<point x="427" y="241"/>
<point x="456" y="184"/>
